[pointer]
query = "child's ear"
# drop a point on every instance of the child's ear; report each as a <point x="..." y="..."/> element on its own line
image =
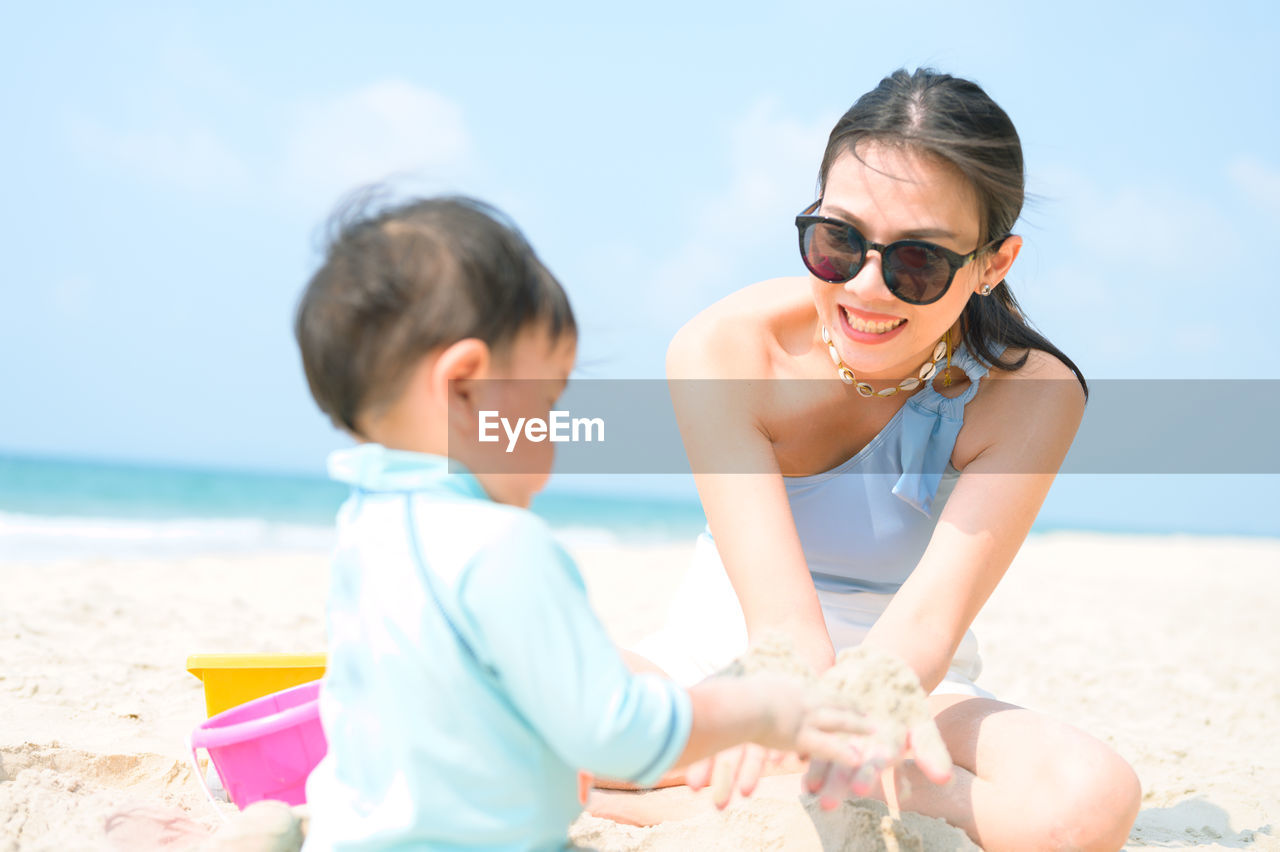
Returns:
<point x="455" y="373"/>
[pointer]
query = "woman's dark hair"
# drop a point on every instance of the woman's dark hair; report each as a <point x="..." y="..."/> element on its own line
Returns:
<point x="955" y="121"/>
<point x="399" y="281"/>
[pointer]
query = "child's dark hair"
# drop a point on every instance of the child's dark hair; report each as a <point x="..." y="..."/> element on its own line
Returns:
<point x="400" y="281"/>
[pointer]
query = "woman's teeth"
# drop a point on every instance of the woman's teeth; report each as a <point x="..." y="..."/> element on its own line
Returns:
<point x="871" y="327"/>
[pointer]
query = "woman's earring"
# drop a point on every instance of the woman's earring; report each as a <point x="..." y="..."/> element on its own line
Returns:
<point x="986" y="289"/>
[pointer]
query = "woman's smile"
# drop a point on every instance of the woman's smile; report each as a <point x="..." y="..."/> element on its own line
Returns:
<point x="866" y="327"/>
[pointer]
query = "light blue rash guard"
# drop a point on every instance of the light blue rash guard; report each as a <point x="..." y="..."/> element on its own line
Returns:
<point x="468" y="678"/>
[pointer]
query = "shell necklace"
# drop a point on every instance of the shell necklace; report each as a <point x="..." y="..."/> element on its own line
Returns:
<point x="927" y="370"/>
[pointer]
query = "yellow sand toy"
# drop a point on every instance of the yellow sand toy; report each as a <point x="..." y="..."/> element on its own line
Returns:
<point x="232" y="679"/>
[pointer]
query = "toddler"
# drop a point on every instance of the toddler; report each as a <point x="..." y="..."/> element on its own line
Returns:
<point x="468" y="678"/>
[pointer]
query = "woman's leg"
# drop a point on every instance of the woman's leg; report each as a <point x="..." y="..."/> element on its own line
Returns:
<point x="1025" y="781"/>
<point x="1022" y="781"/>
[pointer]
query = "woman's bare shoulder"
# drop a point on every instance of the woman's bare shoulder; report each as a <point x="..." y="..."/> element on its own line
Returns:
<point x="1039" y="403"/>
<point x="1044" y="374"/>
<point x="736" y="336"/>
<point x="1039" y="365"/>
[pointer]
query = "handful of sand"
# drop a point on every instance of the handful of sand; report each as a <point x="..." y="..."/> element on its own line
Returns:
<point x="775" y="653"/>
<point x="884" y="689"/>
<point x="874" y="683"/>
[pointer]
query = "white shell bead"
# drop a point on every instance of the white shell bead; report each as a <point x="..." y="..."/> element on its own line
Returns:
<point x="939" y="350"/>
<point x="846" y="376"/>
<point x="910" y="384"/>
<point x="887" y="392"/>
<point x="929" y="371"/>
<point x="835" y="356"/>
<point x="826" y="336"/>
<point x="865" y="389"/>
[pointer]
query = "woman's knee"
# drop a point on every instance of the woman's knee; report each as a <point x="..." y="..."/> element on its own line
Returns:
<point x="1054" y="786"/>
<point x="1096" y="797"/>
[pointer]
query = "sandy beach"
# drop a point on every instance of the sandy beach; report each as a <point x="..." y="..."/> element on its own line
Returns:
<point x="1164" y="647"/>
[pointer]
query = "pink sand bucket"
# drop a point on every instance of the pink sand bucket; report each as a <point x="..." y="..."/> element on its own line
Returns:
<point x="266" y="748"/>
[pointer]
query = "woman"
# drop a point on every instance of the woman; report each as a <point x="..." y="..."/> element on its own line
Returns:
<point x="894" y="474"/>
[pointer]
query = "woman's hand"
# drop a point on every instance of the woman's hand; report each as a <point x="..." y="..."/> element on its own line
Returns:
<point x="833" y="782"/>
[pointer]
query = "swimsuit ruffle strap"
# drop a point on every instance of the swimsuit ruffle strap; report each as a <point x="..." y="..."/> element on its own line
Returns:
<point x="930" y="425"/>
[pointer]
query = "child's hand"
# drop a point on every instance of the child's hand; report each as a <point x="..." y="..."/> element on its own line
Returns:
<point x="738" y="768"/>
<point x="792" y="720"/>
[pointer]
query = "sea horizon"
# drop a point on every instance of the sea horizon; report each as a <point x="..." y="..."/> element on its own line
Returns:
<point x="53" y="507"/>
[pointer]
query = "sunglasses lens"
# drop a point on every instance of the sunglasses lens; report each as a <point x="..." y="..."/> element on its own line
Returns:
<point x="830" y="252"/>
<point x="917" y="273"/>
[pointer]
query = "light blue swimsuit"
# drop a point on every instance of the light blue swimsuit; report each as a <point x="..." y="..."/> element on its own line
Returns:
<point x="863" y="526"/>
<point x="468" y="678"/>
<point x="865" y="523"/>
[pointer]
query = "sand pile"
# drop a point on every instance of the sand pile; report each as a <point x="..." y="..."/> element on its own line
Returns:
<point x="58" y="798"/>
<point x="767" y="824"/>
<point x="55" y="798"/>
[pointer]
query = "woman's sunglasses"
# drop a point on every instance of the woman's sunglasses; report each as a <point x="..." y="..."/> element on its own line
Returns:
<point x="915" y="271"/>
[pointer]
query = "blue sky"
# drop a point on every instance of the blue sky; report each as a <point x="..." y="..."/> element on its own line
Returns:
<point x="169" y="168"/>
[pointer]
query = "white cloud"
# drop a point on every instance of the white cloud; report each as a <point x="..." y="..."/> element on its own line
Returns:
<point x="739" y="235"/>
<point x="1259" y="181"/>
<point x="1155" y="224"/>
<point x="389" y="130"/>
<point x="189" y="158"/>
<point x="1145" y="279"/>
<point x="72" y="295"/>
<point x="385" y="130"/>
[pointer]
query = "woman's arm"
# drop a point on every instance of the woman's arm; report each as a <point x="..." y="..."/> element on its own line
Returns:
<point x="1022" y="427"/>
<point x="717" y="408"/>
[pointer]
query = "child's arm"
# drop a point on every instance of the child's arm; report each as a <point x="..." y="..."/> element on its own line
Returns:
<point x="531" y="624"/>
<point x="770" y="710"/>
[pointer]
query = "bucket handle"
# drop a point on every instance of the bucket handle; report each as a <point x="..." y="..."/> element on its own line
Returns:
<point x="235" y="732"/>
<point x="204" y="784"/>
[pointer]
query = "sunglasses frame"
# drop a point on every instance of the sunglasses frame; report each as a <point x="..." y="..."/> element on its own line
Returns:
<point x="954" y="260"/>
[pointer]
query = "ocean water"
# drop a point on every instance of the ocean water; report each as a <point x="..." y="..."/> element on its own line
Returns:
<point x="58" y="508"/>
